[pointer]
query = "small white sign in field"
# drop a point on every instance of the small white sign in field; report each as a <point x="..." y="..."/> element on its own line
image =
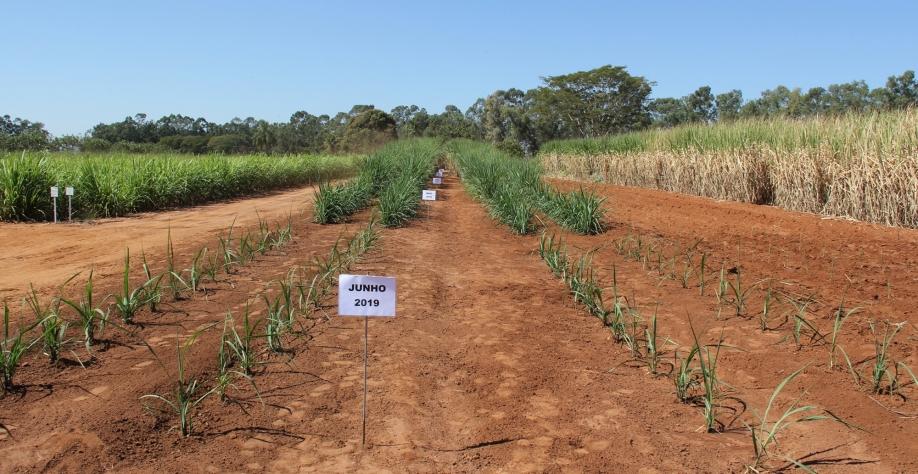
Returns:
<point x="54" y="191"/>
<point x="438" y="181"/>
<point x="68" y="190"/>
<point x="440" y="173"/>
<point x="364" y="295"/>
<point x="428" y="195"/>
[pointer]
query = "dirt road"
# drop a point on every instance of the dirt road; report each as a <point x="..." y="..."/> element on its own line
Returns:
<point x="46" y="255"/>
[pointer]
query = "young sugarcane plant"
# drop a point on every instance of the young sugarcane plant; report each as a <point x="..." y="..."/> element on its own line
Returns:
<point x="801" y="322"/>
<point x="631" y="335"/>
<point x="366" y="238"/>
<point x="53" y="334"/>
<point x="185" y="396"/>
<point x="225" y="373"/>
<point x="685" y="378"/>
<point x="654" y="346"/>
<point x="709" y="381"/>
<point x="275" y="324"/>
<point x="53" y="327"/>
<point x="286" y="295"/>
<point x="765" y="432"/>
<point x="310" y="297"/>
<point x="841" y="314"/>
<point x="585" y="288"/>
<point x="740" y="294"/>
<point x="210" y="267"/>
<point x="176" y="284"/>
<point x="282" y="235"/>
<point x="672" y="269"/>
<point x="553" y="254"/>
<point x="152" y="290"/>
<point x="701" y="272"/>
<point x="91" y="318"/>
<point x="246" y="249"/>
<point x="883" y="365"/>
<point x="226" y="376"/>
<point x="243" y="345"/>
<point x="131" y="300"/>
<point x="195" y="272"/>
<point x="768" y="310"/>
<point x="265" y="235"/>
<point x="12" y="348"/>
<point x="230" y="257"/>
<point x="688" y="269"/>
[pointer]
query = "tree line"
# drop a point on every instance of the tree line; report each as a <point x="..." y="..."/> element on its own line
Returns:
<point x="603" y="101"/>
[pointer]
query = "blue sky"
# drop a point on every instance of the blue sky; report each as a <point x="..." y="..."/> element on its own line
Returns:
<point x="72" y="64"/>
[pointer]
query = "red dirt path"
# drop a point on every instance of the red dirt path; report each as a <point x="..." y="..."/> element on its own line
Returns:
<point x="489" y="366"/>
<point x="48" y="254"/>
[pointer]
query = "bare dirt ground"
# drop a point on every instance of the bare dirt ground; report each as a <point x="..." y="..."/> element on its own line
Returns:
<point x="48" y="254"/>
<point x="830" y="263"/>
<point x="488" y="366"/>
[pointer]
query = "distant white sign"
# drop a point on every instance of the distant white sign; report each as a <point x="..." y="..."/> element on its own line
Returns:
<point x="440" y="173"/>
<point x="438" y="181"/>
<point x="54" y="192"/>
<point x="68" y="190"/>
<point x="428" y="195"/>
<point x="363" y="295"/>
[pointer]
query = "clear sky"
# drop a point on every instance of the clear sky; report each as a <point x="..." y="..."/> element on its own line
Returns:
<point x="72" y="64"/>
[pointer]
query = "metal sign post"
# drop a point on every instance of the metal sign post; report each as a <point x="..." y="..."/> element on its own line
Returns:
<point x="364" y="295"/>
<point x="54" y="194"/>
<point x="69" y="192"/>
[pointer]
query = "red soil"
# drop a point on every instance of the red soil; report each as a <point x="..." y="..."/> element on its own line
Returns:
<point x="489" y="365"/>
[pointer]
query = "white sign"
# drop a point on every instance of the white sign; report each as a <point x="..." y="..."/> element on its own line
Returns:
<point x="428" y="195"/>
<point x="438" y="181"/>
<point x="440" y="173"/>
<point x="54" y="191"/>
<point x="68" y="190"/>
<point x="362" y="295"/>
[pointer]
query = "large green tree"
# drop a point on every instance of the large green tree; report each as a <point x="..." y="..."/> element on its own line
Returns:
<point x="728" y="104"/>
<point x="601" y="101"/>
<point x="700" y="105"/>
<point x="506" y="121"/>
<point x="410" y="120"/>
<point x="669" y="112"/>
<point x="452" y="123"/>
<point x="21" y="134"/>
<point x="368" y="130"/>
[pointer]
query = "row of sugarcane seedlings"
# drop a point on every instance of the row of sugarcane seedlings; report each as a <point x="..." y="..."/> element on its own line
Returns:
<point x="513" y="191"/>
<point x="394" y="175"/>
<point x="779" y="310"/>
<point x="288" y="314"/>
<point x="245" y="343"/>
<point x="51" y="327"/>
<point x="115" y="185"/>
<point x="694" y="375"/>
